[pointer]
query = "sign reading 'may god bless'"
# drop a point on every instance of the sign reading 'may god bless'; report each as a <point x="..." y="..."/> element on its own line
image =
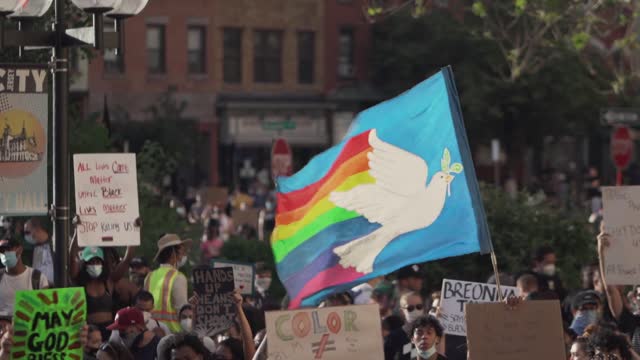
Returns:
<point x="106" y="189"/>
<point x="23" y="139"/>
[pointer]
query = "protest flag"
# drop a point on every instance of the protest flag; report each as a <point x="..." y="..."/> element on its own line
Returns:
<point x="399" y="189"/>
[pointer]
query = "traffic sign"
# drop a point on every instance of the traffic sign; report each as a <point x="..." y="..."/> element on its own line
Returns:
<point x="621" y="147"/>
<point x="620" y="116"/>
<point x="281" y="158"/>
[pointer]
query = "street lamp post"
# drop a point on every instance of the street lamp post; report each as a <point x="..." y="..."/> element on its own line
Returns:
<point x="60" y="40"/>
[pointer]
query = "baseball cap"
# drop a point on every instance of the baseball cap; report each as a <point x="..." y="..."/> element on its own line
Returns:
<point x="127" y="317"/>
<point x="8" y="244"/>
<point x="92" y="252"/>
<point x="409" y="272"/>
<point x="138" y="262"/>
<point x="586" y="298"/>
<point x="383" y="288"/>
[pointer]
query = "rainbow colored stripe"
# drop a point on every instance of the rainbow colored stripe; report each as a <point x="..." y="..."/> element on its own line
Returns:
<point x="305" y="214"/>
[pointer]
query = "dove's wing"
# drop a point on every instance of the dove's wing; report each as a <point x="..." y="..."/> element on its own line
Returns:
<point x="396" y="170"/>
<point x="399" y="175"/>
<point x="370" y="201"/>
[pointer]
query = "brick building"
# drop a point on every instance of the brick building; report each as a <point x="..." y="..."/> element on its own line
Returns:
<point x="248" y="72"/>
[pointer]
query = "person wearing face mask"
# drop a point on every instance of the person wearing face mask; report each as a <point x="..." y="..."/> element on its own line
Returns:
<point x="544" y="268"/>
<point x="398" y="343"/>
<point x="142" y="343"/>
<point x="186" y="323"/>
<point x="426" y="335"/>
<point x="98" y="283"/>
<point x="15" y="275"/>
<point x="167" y="284"/>
<point x="36" y="235"/>
<point x="262" y="300"/>
<point x="94" y="340"/>
<point x="587" y="308"/>
<point x="144" y="302"/>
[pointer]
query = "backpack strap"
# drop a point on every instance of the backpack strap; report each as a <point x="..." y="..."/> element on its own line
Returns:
<point x="35" y="279"/>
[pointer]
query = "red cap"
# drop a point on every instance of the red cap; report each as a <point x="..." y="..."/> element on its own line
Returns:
<point x="127" y="317"/>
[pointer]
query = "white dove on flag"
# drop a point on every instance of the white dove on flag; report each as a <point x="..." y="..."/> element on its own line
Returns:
<point x="399" y="200"/>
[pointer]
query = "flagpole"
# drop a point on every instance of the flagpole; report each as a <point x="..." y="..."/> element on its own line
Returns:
<point x="494" y="262"/>
<point x="263" y="344"/>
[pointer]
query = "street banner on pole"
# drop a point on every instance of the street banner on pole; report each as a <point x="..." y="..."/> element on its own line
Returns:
<point x="106" y="190"/>
<point x="24" y="117"/>
<point x="47" y="324"/>
<point x="333" y="333"/>
<point x="216" y="311"/>
<point x="456" y="294"/>
<point x="621" y="211"/>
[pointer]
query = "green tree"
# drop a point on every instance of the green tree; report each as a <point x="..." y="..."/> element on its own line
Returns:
<point x="517" y="228"/>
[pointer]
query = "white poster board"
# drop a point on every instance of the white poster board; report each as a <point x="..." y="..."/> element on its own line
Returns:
<point x="455" y="294"/>
<point x="333" y="333"/>
<point x="622" y="222"/>
<point x="106" y="191"/>
<point x="243" y="274"/>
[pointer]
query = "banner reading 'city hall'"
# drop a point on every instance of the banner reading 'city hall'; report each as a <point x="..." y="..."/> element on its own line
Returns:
<point x="23" y="139"/>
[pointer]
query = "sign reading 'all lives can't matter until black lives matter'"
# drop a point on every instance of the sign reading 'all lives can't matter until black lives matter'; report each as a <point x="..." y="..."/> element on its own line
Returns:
<point x="106" y="191"/>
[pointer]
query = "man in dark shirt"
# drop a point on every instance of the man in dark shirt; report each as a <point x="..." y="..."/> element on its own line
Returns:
<point x="134" y="335"/>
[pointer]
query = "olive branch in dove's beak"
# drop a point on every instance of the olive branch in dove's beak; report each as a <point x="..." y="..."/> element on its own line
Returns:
<point x="448" y="169"/>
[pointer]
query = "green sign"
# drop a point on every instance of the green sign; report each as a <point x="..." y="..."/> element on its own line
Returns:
<point x="287" y="124"/>
<point x="47" y="324"/>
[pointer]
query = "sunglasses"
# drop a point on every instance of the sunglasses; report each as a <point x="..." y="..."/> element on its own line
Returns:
<point x="410" y="308"/>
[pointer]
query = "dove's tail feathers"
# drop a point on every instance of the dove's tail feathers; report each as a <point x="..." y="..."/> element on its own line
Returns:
<point x="362" y="252"/>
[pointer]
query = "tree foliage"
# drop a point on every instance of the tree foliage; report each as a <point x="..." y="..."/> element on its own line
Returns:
<point x="517" y="228"/>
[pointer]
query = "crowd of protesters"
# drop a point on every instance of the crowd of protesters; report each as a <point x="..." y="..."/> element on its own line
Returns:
<point x="142" y="308"/>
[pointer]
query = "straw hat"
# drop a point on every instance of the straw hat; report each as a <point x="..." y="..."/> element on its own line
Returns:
<point x="170" y="240"/>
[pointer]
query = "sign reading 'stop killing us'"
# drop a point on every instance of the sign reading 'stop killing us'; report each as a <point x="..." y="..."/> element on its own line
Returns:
<point x="23" y="139"/>
<point x="107" y="199"/>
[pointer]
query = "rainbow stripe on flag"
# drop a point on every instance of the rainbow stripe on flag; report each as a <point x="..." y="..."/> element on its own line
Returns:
<point x="310" y="226"/>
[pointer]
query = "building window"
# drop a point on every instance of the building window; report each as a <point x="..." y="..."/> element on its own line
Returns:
<point x="267" y="56"/>
<point x="156" y="56"/>
<point x="232" y="62"/>
<point x="346" y="53"/>
<point x="113" y="63"/>
<point x="306" y="56"/>
<point x="196" y="53"/>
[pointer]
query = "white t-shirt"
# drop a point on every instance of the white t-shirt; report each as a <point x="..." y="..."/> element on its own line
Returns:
<point x="43" y="260"/>
<point x="10" y="284"/>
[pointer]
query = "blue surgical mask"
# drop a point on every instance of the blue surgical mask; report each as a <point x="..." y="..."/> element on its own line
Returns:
<point x="427" y="353"/>
<point x="29" y="238"/>
<point x="9" y="259"/>
<point x="584" y="319"/>
<point x="94" y="271"/>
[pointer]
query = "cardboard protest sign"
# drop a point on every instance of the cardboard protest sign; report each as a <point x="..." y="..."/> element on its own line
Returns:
<point x="243" y="274"/>
<point x="106" y="190"/>
<point x="531" y="331"/>
<point x="216" y="311"/>
<point x="217" y="195"/>
<point x="334" y="333"/>
<point x="621" y="213"/>
<point x="455" y="294"/>
<point x="247" y="216"/>
<point x="47" y="324"/>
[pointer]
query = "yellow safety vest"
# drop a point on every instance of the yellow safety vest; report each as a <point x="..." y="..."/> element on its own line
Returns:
<point x="160" y="284"/>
